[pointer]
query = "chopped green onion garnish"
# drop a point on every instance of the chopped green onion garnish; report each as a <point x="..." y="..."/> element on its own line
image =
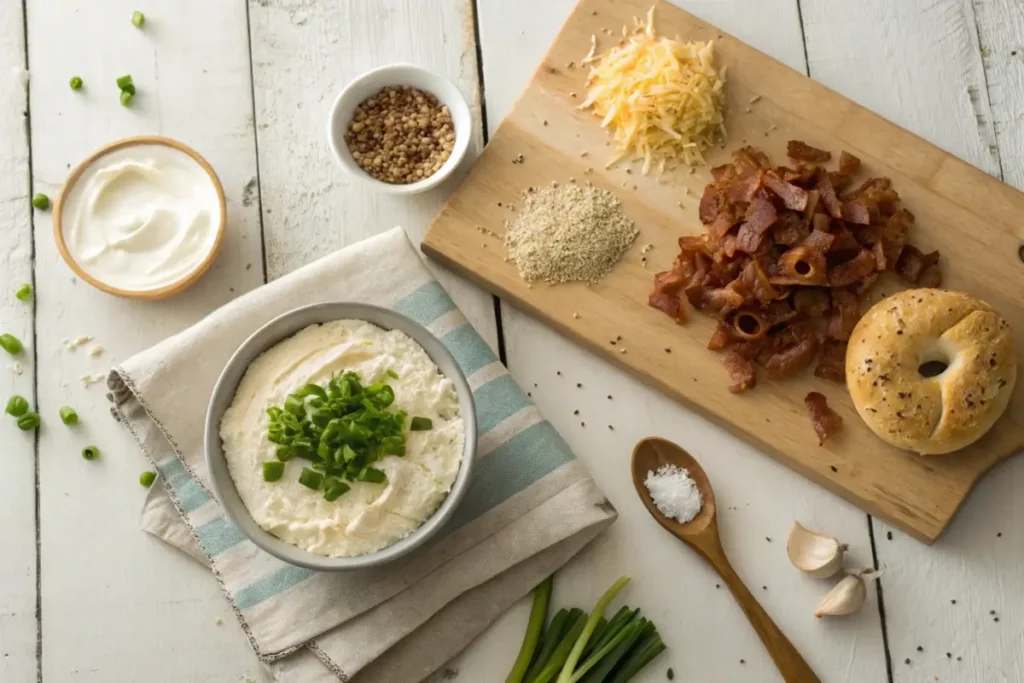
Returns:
<point x="138" y="18"/>
<point x="10" y="344"/>
<point x="311" y="478"/>
<point x="392" y="374"/>
<point x="90" y="452"/>
<point x="334" y="488"/>
<point x="421" y="424"/>
<point x="68" y="415"/>
<point x="28" y="421"/>
<point x="124" y="81"/>
<point x="126" y="98"/>
<point x="16" y="406"/>
<point x="41" y="201"/>
<point x="273" y="470"/>
<point x="75" y="83"/>
<point x="372" y="475"/>
<point x="24" y="293"/>
<point x="130" y="89"/>
<point x="147" y="478"/>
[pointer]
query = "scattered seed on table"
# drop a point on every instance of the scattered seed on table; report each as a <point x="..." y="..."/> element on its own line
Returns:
<point x="999" y="535"/>
<point x="611" y="428"/>
<point x="959" y="658"/>
<point x="668" y="350"/>
<point x="575" y="412"/>
<point x="920" y="649"/>
<point x="991" y="611"/>
<point x="718" y="585"/>
<point x="579" y="385"/>
<point x="558" y="372"/>
<point x="888" y="535"/>
<point x="670" y="674"/>
<point x="949" y="655"/>
<point x="833" y="468"/>
<point x="609" y="397"/>
<point x="743" y="661"/>
<point x="907" y="660"/>
<point x="768" y="538"/>
<point x="995" y="618"/>
<point x="952" y="602"/>
<point x="764" y="588"/>
<point x="583" y="424"/>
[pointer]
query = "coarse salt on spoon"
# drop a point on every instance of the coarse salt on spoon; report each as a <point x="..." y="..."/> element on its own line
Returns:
<point x="701" y="534"/>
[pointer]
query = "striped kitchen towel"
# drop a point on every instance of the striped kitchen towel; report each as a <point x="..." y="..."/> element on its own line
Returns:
<point x="530" y="507"/>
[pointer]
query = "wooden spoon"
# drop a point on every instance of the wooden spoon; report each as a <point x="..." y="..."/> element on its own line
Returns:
<point x="701" y="534"/>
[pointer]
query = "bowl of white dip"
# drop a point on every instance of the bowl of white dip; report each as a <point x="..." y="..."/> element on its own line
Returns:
<point x="375" y="519"/>
<point x="142" y="217"/>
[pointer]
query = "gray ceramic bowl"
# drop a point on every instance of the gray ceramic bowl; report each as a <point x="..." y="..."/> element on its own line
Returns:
<point x="281" y="328"/>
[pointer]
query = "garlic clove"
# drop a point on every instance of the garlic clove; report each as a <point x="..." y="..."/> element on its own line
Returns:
<point x="846" y="597"/>
<point x="819" y="555"/>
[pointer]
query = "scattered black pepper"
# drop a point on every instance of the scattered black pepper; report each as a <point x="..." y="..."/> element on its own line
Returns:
<point x="583" y="424"/>
<point x="959" y="658"/>
<point x="888" y="536"/>
<point x="575" y="412"/>
<point x="558" y="372"/>
<point x="833" y="468"/>
<point x="949" y="655"/>
<point x="999" y="534"/>
<point x="899" y="331"/>
<point x="764" y="588"/>
<point x="952" y="602"/>
<point x="768" y="538"/>
<point x="668" y="350"/>
<point x="907" y="660"/>
<point x="991" y="611"/>
<point x="670" y="674"/>
<point x="499" y="204"/>
<point x="611" y="428"/>
<point x="529" y="394"/>
<point x="920" y="649"/>
<point x="743" y="661"/>
<point x="995" y="618"/>
<point x="609" y="397"/>
<point x="718" y="585"/>
<point x="579" y="385"/>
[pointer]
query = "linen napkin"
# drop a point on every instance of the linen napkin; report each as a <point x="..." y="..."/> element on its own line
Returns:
<point x="530" y="506"/>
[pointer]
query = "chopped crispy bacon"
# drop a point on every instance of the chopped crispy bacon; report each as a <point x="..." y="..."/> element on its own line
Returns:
<point x="742" y="375"/>
<point x="913" y="263"/>
<point x="803" y="152"/>
<point x="794" y="353"/>
<point x="848" y="163"/>
<point x="789" y="229"/>
<point x="792" y="197"/>
<point x="856" y="211"/>
<point x="820" y="239"/>
<point x="853" y="271"/>
<point x="801" y="265"/>
<point x="784" y="261"/>
<point x="832" y="361"/>
<point x="812" y="301"/>
<point x="828" y="196"/>
<point x="844" y="315"/>
<point x="825" y="420"/>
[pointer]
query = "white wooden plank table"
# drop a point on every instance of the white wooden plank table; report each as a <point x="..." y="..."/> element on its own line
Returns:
<point x="86" y="596"/>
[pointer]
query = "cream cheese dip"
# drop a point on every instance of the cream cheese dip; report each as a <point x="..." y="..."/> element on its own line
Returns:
<point x="370" y="516"/>
<point x="141" y="217"/>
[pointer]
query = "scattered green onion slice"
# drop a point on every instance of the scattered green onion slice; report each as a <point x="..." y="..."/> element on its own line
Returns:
<point x="372" y="475"/>
<point x="392" y="374"/>
<point x="16" y="406"/>
<point x="24" y="292"/>
<point x="10" y="344"/>
<point x="75" y="83"/>
<point x="334" y="488"/>
<point x="126" y="98"/>
<point x="147" y="478"/>
<point x="421" y="424"/>
<point x="273" y="470"/>
<point x="28" y="421"/>
<point x="130" y="89"/>
<point x="41" y="201"/>
<point x="138" y="18"/>
<point x="311" y="478"/>
<point x="90" y="452"/>
<point x="124" y="81"/>
<point x="68" y="415"/>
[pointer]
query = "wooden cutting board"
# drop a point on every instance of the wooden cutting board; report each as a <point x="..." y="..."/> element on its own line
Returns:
<point x="976" y="222"/>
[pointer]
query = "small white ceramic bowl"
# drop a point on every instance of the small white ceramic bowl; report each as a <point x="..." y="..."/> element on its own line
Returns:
<point x="370" y="84"/>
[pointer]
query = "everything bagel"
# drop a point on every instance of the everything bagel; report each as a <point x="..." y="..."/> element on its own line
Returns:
<point x="931" y="371"/>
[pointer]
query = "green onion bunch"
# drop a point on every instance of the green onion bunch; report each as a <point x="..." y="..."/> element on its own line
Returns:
<point x="581" y="648"/>
<point x="342" y="429"/>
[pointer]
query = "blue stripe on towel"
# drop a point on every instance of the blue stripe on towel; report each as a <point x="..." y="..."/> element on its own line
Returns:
<point x="271" y="586"/>
<point x="496" y="401"/>
<point x="426" y="304"/>
<point x="523" y="460"/>
<point x="191" y="496"/>
<point x="469" y="349"/>
<point x="219" y="535"/>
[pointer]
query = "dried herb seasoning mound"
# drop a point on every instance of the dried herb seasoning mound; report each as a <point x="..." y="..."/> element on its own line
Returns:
<point x="568" y="233"/>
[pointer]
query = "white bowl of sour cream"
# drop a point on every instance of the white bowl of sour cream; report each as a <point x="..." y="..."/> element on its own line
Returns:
<point x="142" y="217"/>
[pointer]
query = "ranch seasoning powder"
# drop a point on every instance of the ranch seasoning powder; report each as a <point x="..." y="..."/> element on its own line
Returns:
<point x="568" y="233"/>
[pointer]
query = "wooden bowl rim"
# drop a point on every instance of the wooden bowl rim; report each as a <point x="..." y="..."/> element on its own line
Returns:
<point x="149" y="294"/>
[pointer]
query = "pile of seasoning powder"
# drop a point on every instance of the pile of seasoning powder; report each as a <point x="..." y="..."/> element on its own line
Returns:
<point x="568" y="233"/>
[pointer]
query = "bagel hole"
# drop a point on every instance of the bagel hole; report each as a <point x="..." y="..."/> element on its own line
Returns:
<point x="932" y="368"/>
<point x="802" y="268"/>
<point x="748" y="324"/>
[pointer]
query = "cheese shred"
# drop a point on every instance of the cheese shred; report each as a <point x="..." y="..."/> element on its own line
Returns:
<point x="661" y="99"/>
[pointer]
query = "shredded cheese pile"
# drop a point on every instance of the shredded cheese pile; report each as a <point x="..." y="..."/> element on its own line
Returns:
<point x="661" y="99"/>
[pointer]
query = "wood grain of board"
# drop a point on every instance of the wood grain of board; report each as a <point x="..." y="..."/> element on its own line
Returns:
<point x="971" y="218"/>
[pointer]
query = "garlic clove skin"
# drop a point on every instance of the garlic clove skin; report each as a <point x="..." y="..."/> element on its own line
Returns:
<point x="819" y="555"/>
<point x="846" y="597"/>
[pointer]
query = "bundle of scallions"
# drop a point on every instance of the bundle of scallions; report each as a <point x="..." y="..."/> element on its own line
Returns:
<point x="580" y="648"/>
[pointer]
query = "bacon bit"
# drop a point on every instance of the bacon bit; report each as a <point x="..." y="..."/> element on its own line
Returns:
<point x="853" y="271"/>
<point x="848" y="163"/>
<point x="803" y="152"/>
<point x="742" y="375"/>
<point x="784" y="260"/>
<point x="832" y="361"/>
<point x="825" y="420"/>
